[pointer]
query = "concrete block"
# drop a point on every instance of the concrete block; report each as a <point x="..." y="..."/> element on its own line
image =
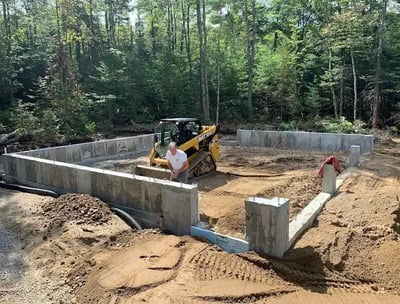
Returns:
<point x="303" y="141"/>
<point x="99" y="150"/>
<point x="134" y="145"/>
<point x="331" y="142"/>
<point x="368" y="144"/>
<point x="111" y="147"/>
<point x="244" y="137"/>
<point x="9" y="164"/>
<point x="73" y="154"/>
<point x="122" y="147"/>
<point x="227" y="243"/>
<point x="21" y="168"/>
<point x="273" y="139"/>
<point x="255" y="138"/>
<point x="258" y="138"/>
<point x="354" y="159"/>
<point x="315" y="141"/>
<point x="83" y="181"/>
<point x="351" y="139"/>
<point x="87" y="151"/>
<point x="288" y="140"/>
<point x="329" y="180"/>
<point x="267" y="225"/>
<point x="180" y="210"/>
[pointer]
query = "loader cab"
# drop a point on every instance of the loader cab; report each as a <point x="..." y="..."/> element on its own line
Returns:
<point x="179" y="130"/>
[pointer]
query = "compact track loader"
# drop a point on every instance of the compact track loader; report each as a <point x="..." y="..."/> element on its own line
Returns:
<point x="200" y="143"/>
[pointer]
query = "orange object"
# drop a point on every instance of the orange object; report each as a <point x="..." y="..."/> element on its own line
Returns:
<point x="331" y="160"/>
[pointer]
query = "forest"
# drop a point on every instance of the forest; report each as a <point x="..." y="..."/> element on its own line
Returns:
<point x="77" y="67"/>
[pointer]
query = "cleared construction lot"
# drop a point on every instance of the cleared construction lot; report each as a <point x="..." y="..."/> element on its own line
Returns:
<point x="244" y="172"/>
<point x="350" y="255"/>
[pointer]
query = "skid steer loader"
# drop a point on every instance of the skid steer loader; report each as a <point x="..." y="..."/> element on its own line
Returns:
<point x="200" y="143"/>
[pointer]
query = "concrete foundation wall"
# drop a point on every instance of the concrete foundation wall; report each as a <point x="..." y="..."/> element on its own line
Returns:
<point x="97" y="150"/>
<point x="175" y="204"/>
<point x="305" y="140"/>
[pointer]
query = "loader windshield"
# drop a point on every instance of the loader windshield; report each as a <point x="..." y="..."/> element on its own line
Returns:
<point x="165" y="133"/>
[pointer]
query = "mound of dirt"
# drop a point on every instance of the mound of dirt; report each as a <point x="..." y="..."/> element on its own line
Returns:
<point x="81" y="208"/>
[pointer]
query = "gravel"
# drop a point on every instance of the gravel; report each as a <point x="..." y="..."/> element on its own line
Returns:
<point x="19" y="283"/>
<point x="12" y="264"/>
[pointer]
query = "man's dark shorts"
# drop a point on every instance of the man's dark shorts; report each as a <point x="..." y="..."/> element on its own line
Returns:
<point x="183" y="177"/>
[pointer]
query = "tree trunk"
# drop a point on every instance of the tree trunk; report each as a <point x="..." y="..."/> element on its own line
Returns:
<point x="353" y="65"/>
<point x="250" y="58"/>
<point x="205" y="60"/>
<point x="6" y="137"/>
<point x="93" y="45"/>
<point x="175" y="31"/>
<point x="168" y="55"/>
<point x="341" y="91"/>
<point x="111" y="23"/>
<point x="335" y="107"/>
<point x="218" y="63"/>
<point x="378" y="73"/>
<point x="203" y="77"/>
<point x="7" y="27"/>
<point x="153" y="35"/>
<point x="61" y="51"/>
<point x="107" y="28"/>
<point x="183" y="29"/>
<point x="187" y="37"/>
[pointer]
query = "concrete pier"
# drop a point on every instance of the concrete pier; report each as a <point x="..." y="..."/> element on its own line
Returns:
<point x="267" y="225"/>
<point x="355" y="153"/>
<point x="329" y="180"/>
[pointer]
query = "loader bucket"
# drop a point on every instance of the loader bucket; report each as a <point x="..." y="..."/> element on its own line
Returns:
<point x="155" y="172"/>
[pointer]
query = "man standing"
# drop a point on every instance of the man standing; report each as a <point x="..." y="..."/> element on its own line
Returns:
<point x="177" y="163"/>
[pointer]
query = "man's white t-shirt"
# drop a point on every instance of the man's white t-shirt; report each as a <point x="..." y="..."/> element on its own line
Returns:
<point x="176" y="160"/>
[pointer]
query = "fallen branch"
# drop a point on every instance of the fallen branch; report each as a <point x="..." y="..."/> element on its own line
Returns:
<point x="4" y="139"/>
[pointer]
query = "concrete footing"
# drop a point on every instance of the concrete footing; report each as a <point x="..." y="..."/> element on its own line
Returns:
<point x="267" y="225"/>
<point x="307" y="216"/>
<point x="227" y="243"/>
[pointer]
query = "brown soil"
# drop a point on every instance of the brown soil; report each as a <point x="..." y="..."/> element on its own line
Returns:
<point x="351" y="255"/>
<point x="81" y="208"/>
<point x="264" y="172"/>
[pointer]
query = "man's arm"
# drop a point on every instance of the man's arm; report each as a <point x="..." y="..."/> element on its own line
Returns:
<point x="184" y="167"/>
<point x="170" y="166"/>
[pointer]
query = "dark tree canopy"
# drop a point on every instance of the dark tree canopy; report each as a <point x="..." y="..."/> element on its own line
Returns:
<point x="73" y="67"/>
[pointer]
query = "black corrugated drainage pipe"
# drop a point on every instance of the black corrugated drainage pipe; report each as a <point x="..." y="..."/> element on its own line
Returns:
<point x="127" y="218"/>
<point x="32" y="190"/>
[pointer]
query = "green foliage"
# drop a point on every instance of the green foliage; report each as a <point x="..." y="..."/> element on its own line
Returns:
<point x="6" y="121"/>
<point x="88" y="66"/>
<point x="24" y="118"/>
<point x="394" y="131"/>
<point x="288" y="126"/>
<point x="341" y="126"/>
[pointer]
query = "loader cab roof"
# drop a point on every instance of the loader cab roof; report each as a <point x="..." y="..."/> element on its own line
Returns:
<point x="179" y="120"/>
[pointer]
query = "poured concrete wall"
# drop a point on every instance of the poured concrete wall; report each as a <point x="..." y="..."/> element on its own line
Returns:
<point x="174" y="203"/>
<point x="305" y="140"/>
<point x="97" y="150"/>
